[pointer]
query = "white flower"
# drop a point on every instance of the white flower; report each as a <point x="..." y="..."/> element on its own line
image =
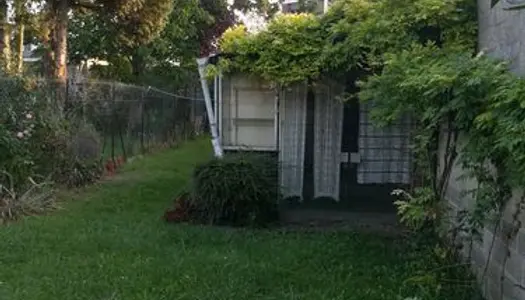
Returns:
<point x="26" y="132"/>
<point x="32" y="126"/>
<point x="29" y="116"/>
<point x="20" y="135"/>
<point x="397" y="192"/>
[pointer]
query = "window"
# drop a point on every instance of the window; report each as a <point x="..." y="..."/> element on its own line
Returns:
<point x="248" y="115"/>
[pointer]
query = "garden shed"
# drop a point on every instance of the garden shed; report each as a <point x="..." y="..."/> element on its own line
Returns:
<point x="328" y="150"/>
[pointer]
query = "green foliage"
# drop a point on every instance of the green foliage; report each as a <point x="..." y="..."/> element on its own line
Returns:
<point x="420" y="210"/>
<point x="75" y="172"/>
<point x="449" y="93"/>
<point x="353" y="35"/>
<point x="134" y="22"/>
<point x="266" y="8"/>
<point x="441" y="87"/>
<point x="164" y="59"/>
<point x="37" y="140"/>
<point x="84" y="28"/>
<point x="362" y="31"/>
<point x="238" y="190"/>
<point x="472" y="95"/>
<point x="25" y="118"/>
<point x="287" y="51"/>
<point x="437" y="275"/>
<point x="79" y="161"/>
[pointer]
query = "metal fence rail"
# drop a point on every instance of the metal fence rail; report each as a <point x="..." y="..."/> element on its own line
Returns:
<point x="134" y="119"/>
<point x="128" y="119"/>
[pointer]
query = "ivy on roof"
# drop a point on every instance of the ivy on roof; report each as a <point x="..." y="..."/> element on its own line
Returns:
<point x="354" y="34"/>
<point x="287" y="51"/>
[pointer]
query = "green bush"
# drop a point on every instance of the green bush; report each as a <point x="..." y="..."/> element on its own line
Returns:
<point x="26" y="117"/>
<point x="38" y="140"/>
<point x="79" y="162"/>
<point x="237" y="190"/>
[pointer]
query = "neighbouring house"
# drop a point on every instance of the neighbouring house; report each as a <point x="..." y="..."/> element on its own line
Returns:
<point x="293" y="6"/>
<point x="32" y="59"/>
<point x="329" y="152"/>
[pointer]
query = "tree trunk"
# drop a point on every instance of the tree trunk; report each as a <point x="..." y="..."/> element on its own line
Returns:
<point x="59" y="42"/>
<point x="58" y="25"/>
<point x="20" y="48"/>
<point x="5" y="42"/>
<point x="20" y="17"/>
<point x="137" y="66"/>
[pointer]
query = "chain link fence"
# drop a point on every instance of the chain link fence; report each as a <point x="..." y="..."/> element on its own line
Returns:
<point x="127" y="120"/>
<point x="133" y="120"/>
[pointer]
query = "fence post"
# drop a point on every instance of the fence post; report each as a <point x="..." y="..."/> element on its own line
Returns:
<point x="174" y="123"/>
<point x="142" y="108"/>
<point x="119" y="124"/>
<point x="112" y="95"/>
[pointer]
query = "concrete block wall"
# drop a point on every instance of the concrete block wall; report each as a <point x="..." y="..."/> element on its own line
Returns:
<point x="502" y="280"/>
<point x="502" y="31"/>
<point x="501" y="35"/>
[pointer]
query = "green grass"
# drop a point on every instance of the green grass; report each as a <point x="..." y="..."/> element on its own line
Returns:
<point x="109" y="242"/>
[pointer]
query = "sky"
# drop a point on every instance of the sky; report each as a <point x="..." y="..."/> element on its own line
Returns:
<point x="252" y="21"/>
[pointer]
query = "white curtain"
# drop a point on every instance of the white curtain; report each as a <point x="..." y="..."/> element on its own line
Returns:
<point x="385" y="151"/>
<point x="292" y="112"/>
<point x="328" y="138"/>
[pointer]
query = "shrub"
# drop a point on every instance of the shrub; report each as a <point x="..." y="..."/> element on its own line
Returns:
<point x="36" y="199"/>
<point x="75" y="172"/>
<point x="37" y="138"/>
<point x="237" y="190"/>
<point x="25" y="118"/>
<point x="79" y="162"/>
<point x="182" y="211"/>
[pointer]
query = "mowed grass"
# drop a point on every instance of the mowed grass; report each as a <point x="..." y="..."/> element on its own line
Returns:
<point x="109" y="242"/>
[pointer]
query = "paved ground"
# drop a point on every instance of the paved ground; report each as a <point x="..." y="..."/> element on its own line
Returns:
<point x="341" y="220"/>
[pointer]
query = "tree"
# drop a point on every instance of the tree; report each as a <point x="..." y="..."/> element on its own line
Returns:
<point x="5" y="35"/>
<point x="192" y="27"/>
<point x="135" y="22"/>
<point x="177" y="39"/>
<point x="21" y="19"/>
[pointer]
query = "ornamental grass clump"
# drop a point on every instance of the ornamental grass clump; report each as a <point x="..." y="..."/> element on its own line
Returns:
<point x="236" y="190"/>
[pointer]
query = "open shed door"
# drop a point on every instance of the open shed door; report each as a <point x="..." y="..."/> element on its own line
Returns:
<point x="375" y="160"/>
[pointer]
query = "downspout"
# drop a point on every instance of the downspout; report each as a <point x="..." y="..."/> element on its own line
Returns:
<point x="217" y="149"/>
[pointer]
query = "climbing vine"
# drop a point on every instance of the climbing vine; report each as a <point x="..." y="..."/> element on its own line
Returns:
<point x="287" y="51"/>
<point x="416" y="58"/>
<point x="354" y="35"/>
<point x="468" y="110"/>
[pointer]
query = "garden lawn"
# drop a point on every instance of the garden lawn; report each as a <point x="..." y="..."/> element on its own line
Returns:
<point x="109" y="242"/>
